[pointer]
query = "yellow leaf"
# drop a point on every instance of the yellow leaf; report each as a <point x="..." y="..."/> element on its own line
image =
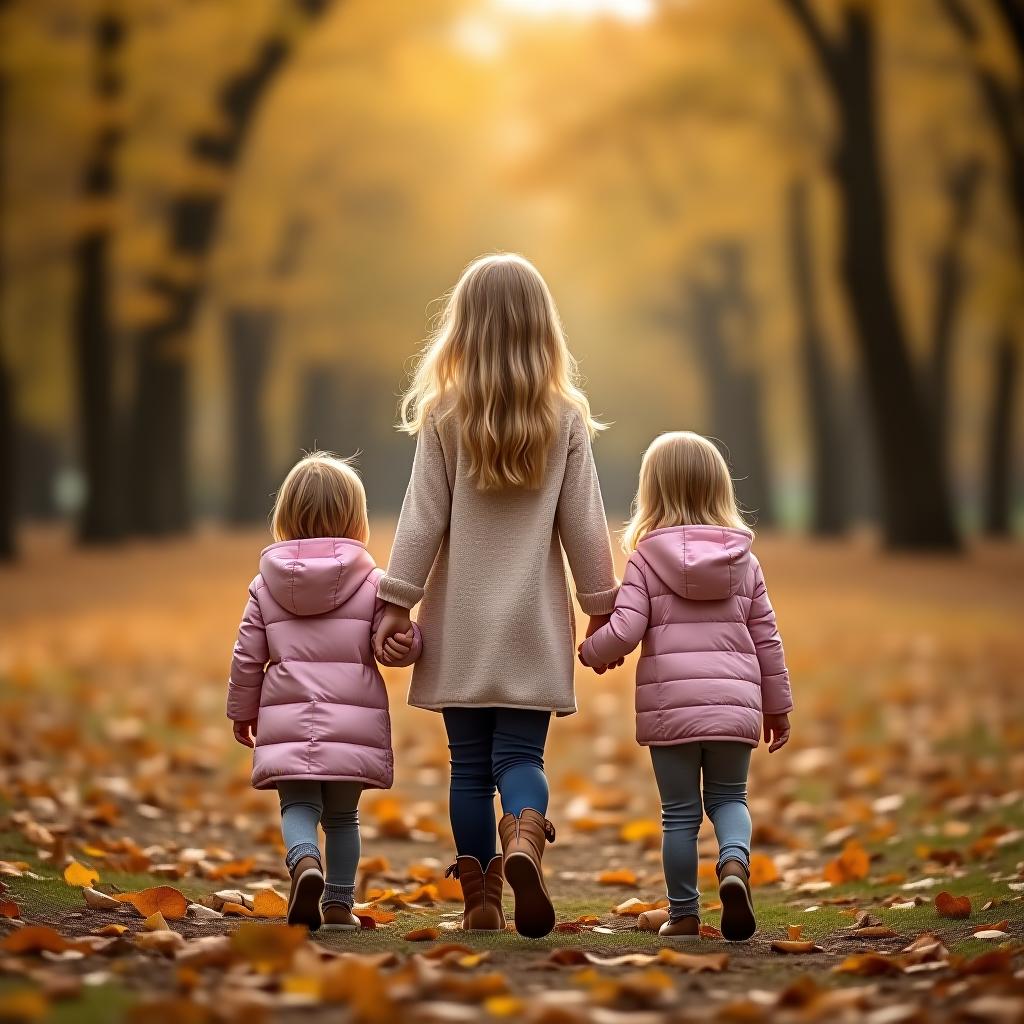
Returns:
<point x="111" y="930"/>
<point x="155" y="923"/>
<point x="81" y="876"/>
<point x="637" y="831"/>
<point x="504" y="1006"/>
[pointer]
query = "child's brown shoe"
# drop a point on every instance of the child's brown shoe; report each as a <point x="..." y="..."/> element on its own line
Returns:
<point x="738" y="921"/>
<point x="339" y="918"/>
<point x="682" y="929"/>
<point x="307" y="888"/>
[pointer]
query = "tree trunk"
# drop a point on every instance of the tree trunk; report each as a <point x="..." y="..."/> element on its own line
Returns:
<point x="828" y="465"/>
<point x="719" y="311"/>
<point x="997" y="514"/>
<point x="161" y="478"/>
<point x="962" y="188"/>
<point x="917" y="512"/>
<point x="101" y="518"/>
<point x="250" y="344"/>
<point x="8" y="481"/>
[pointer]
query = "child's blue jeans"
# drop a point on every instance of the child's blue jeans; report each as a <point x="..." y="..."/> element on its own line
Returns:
<point x="307" y="803"/>
<point x="678" y="769"/>
<point x="493" y="747"/>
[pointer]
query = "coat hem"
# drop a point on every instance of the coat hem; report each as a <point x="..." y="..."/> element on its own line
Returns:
<point x="271" y="783"/>
<point x="698" y="739"/>
<point x="440" y="706"/>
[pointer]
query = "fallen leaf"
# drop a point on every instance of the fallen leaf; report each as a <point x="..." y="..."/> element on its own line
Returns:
<point x="795" y="946"/>
<point x="620" y="876"/>
<point x="268" y="947"/>
<point x="634" y="907"/>
<point x="9" y="909"/>
<point x="164" y="941"/>
<point x="852" y="865"/>
<point x="155" y="923"/>
<point x="163" y="899"/>
<point x="794" y="931"/>
<point x="79" y="875"/>
<point x="763" y="869"/>
<point x="36" y="938"/>
<point x="422" y="935"/>
<point x="869" y="965"/>
<point x="236" y="910"/>
<point x="100" y="900"/>
<point x="948" y="905"/>
<point x="694" y="963"/>
<point x="269" y="903"/>
<point x="876" y="931"/>
<point x="23" y="1005"/>
<point x="111" y="929"/>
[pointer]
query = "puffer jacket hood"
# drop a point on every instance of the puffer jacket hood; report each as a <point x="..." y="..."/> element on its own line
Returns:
<point x="311" y="577"/>
<point x="699" y="563"/>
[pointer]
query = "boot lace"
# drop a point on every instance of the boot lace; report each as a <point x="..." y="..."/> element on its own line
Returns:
<point x="452" y="871"/>
<point x="549" y="831"/>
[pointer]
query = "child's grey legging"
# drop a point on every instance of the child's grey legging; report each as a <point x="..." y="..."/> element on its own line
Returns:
<point x="304" y="804"/>
<point x="678" y="770"/>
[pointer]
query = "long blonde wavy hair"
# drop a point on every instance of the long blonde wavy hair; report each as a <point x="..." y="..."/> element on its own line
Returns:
<point x="499" y="351"/>
<point x="684" y="481"/>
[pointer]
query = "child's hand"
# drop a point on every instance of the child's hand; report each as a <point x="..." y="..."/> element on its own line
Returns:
<point x="776" y="731"/>
<point x="595" y="623"/>
<point x="599" y="669"/>
<point x="242" y="730"/>
<point x="396" y="648"/>
<point x="395" y="621"/>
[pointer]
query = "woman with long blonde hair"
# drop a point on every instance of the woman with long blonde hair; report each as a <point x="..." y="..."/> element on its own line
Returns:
<point x="503" y="480"/>
<point x="712" y="673"/>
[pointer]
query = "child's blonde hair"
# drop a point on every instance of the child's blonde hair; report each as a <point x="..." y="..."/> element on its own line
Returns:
<point x="500" y="351"/>
<point x="684" y="481"/>
<point x="322" y="496"/>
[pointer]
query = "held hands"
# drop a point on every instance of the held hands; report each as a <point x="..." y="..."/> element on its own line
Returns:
<point x="595" y="623"/>
<point x="776" y="731"/>
<point x="242" y="730"/>
<point x="393" y="639"/>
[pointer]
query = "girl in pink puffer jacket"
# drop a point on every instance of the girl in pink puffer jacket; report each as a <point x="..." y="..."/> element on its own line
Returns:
<point x="711" y="675"/>
<point x="304" y="685"/>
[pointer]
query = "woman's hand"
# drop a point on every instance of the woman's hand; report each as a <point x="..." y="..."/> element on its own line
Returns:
<point x="776" y="731"/>
<point x="595" y="623"/>
<point x="395" y="622"/>
<point x="242" y="730"/>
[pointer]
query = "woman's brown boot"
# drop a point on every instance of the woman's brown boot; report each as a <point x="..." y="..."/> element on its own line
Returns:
<point x="738" y="921"/>
<point x="522" y="843"/>
<point x="481" y="892"/>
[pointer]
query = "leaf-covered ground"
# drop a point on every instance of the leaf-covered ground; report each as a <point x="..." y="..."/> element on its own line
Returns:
<point x="897" y="806"/>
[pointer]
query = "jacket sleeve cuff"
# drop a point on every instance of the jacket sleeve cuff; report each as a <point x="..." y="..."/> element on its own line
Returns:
<point x="396" y="591"/>
<point x="600" y="603"/>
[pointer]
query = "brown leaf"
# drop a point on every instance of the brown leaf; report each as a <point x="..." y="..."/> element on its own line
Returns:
<point x="794" y="931"/>
<point x="440" y="952"/>
<point x="164" y="941"/>
<point x="9" y="909"/>
<point x="795" y="946"/>
<point x="694" y="963"/>
<point x="567" y="957"/>
<point x="996" y="961"/>
<point x="634" y="907"/>
<point x="109" y="930"/>
<point x="876" y="931"/>
<point x="268" y="947"/>
<point x="422" y="935"/>
<point x="869" y="965"/>
<point x="163" y="899"/>
<point x="948" y="905"/>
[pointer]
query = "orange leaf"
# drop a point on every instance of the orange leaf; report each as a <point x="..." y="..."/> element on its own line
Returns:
<point x="233" y="869"/>
<point x="111" y="930"/>
<point x="851" y="865"/>
<point x="422" y="935"/>
<point x="376" y="915"/>
<point x="948" y="905"/>
<point x="237" y="910"/>
<point x="449" y="890"/>
<point x="794" y="946"/>
<point x="622" y="876"/>
<point x="694" y="963"/>
<point x="162" y="899"/>
<point x="268" y="947"/>
<point x="79" y="875"/>
<point x="269" y="903"/>
<point x="869" y="964"/>
<point x="640" y="830"/>
<point x="794" y="931"/>
<point x="35" y="938"/>
<point x="9" y="909"/>
<point x="763" y="870"/>
<point x="634" y="907"/>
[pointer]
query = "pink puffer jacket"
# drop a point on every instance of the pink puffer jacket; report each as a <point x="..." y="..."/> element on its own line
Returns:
<point x="303" y="665"/>
<point x="712" y="659"/>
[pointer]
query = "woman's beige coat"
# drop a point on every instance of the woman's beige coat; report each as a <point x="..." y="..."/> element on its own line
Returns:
<point x="497" y="619"/>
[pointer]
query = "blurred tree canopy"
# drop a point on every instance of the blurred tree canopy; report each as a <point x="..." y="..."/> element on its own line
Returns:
<point x="796" y="225"/>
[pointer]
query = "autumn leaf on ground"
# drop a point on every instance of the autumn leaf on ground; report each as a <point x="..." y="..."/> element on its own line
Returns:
<point x="422" y="935"/>
<point x="620" y="876"/>
<point x="109" y="930"/>
<point x="35" y="938"/>
<point x="375" y="914"/>
<point x="634" y="907"/>
<point x="268" y="947"/>
<point x="79" y="875"/>
<point x="9" y="909"/>
<point x="852" y="865"/>
<point x="269" y="903"/>
<point x="155" y="923"/>
<point x="163" y="899"/>
<point x="694" y="963"/>
<point x="795" y="946"/>
<point x="100" y="900"/>
<point x="763" y="870"/>
<point x="948" y="905"/>
<point x="641" y="830"/>
<point x="869" y="965"/>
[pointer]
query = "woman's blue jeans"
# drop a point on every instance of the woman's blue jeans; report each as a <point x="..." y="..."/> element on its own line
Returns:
<point x="492" y="748"/>
<point x="679" y="769"/>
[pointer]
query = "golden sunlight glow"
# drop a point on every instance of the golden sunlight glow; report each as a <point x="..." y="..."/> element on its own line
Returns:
<point x="625" y="10"/>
